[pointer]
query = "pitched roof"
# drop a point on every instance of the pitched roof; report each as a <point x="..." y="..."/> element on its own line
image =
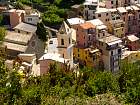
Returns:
<point x="135" y="7"/>
<point x="121" y="9"/>
<point x="64" y="28"/>
<point x="16" y="47"/>
<point x="132" y="38"/>
<point x="96" y="22"/>
<point x="90" y="2"/>
<point x="87" y="25"/>
<point x="54" y="57"/>
<point x="112" y="10"/>
<point x="129" y="8"/>
<point x="110" y="40"/>
<point x="17" y="37"/>
<point x="101" y="10"/>
<point x="26" y="27"/>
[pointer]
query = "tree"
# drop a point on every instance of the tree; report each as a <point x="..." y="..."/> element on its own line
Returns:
<point x="2" y="33"/>
<point x="1" y="20"/>
<point x="14" y="88"/>
<point x="52" y="19"/>
<point x="19" y="5"/>
<point x="41" y="32"/>
<point x="129" y="82"/>
<point x="103" y="82"/>
<point x="3" y="81"/>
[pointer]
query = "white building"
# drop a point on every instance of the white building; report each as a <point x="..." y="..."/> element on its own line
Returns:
<point x="90" y="7"/>
<point x="32" y="18"/>
<point x="111" y="52"/>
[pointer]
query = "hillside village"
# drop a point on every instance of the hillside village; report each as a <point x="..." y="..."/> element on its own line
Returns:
<point x="69" y="52"/>
<point x="105" y="34"/>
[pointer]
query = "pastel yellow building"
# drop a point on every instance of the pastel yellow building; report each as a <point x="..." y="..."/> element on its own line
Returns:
<point x="87" y="56"/>
<point x="116" y="27"/>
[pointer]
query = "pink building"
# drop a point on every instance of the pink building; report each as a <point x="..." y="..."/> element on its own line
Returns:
<point x="132" y="21"/>
<point x="86" y="34"/>
<point x="133" y="42"/>
<point x="50" y="58"/>
<point x="16" y="17"/>
<point x="13" y="17"/>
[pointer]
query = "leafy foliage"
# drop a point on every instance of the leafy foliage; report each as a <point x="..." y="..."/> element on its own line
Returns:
<point x="2" y="33"/>
<point x="41" y="32"/>
<point x="62" y="86"/>
<point x="1" y="20"/>
<point x="53" y="11"/>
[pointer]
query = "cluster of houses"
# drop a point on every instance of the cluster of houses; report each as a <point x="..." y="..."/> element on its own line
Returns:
<point x="107" y="33"/>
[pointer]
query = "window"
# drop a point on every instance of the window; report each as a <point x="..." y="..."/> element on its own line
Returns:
<point x="102" y="44"/>
<point x="111" y="2"/>
<point x="63" y="55"/>
<point x="98" y="35"/>
<point x="29" y="19"/>
<point x="94" y="57"/>
<point x="116" y="2"/>
<point x="119" y="51"/>
<point x="89" y="38"/>
<point x="106" y="14"/>
<point x="124" y="18"/>
<point x="18" y="31"/>
<point x="129" y="18"/>
<point x="111" y="52"/>
<point x="51" y="42"/>
<point x="62" y="41"/>
<point x="78" y="55"/>
<point x="103" y="34"/>
<point x="84" y="37"/>
<point x="99" y="15"/>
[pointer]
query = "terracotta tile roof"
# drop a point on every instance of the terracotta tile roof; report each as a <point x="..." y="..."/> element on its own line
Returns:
<point x="87" y="25"/>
